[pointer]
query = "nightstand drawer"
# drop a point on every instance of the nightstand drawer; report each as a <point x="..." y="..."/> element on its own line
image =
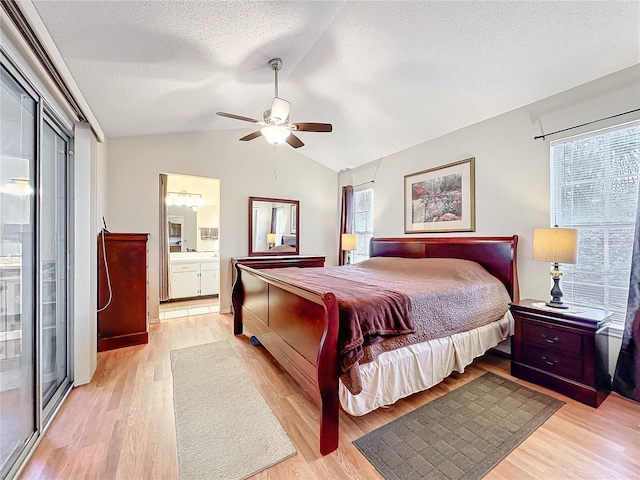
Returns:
<point x="552" y="361"/>
<point x="552" y="338"/>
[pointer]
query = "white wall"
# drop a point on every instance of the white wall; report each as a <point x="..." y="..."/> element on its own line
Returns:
<point x="85" y="254"/>
<point x="244" y="169"/>
<point x="101" y="183"/>
<point x="512" y="170"/>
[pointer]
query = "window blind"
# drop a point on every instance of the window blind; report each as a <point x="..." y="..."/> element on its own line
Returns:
<point x="594" y="188"/>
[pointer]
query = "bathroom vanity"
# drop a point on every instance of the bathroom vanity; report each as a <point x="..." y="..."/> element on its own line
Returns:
<point x="193" y="274"/>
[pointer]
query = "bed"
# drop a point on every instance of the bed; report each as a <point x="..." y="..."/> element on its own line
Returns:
<point x="298" y="322"/>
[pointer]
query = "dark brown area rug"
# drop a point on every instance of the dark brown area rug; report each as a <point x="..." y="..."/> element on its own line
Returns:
<point x="461" y="435"/>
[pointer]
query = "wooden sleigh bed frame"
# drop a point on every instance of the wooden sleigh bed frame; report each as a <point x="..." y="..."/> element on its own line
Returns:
<point x="299" y="326"/>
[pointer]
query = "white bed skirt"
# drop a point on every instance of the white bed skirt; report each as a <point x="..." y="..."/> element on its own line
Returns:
<point x="400" y="373"/>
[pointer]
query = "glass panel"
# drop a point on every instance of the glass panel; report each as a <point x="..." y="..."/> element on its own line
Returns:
<point x="53" y="262"/>
<point x="362" y="222"/>
<point x="17" y="160"/>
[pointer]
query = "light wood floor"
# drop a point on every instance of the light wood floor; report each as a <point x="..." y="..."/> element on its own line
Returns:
<point x="121" y="425"/>
<point x="190" y="303"/>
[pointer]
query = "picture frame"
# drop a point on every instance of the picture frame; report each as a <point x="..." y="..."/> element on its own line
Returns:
<point x="441" y="199"/>
<point x="293" y="217"/>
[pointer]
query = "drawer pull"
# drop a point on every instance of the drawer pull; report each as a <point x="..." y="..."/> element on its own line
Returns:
<point x="548" y="362"/>
<point x="553" y="340"/>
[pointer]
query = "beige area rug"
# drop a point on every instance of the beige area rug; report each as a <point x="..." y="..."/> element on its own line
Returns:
<point x="224" y="428"/>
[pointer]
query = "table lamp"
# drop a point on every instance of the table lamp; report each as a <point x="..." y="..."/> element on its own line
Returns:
<point x="349" y="243"/>
<point x="271" y="240"/>
<point x="555" y="245"/>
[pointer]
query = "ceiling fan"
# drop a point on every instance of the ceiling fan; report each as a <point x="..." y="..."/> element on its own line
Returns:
<point x="275" y="120"/>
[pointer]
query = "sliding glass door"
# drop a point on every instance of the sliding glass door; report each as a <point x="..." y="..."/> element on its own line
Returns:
<point x="35" y="327"/>
<point x="53" y="265"/>
<point x="18" y="402"/>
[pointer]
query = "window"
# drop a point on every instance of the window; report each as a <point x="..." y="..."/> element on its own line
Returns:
<point x="279" y="225"/>
<point x="362" y="222"/>
<point x="594" y="188"/>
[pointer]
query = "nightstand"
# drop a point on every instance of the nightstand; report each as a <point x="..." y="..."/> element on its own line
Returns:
<point x="566" y="350"/>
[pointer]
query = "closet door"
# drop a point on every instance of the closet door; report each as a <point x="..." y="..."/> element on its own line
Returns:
<point x="18" y="394"/>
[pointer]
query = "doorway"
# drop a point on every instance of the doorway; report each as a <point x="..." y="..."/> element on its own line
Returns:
<point x="190" y="245"/>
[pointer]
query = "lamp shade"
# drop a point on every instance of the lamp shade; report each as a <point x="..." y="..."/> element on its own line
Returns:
<point x="349" y="241"/>
<point x="555" y="245"/>
<point x="271" y="238"/>
<point x="275" y="134"/>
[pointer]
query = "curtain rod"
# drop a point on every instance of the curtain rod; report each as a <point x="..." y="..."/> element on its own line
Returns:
<point x="543" y="137"/>
<point x="363" y="183"/>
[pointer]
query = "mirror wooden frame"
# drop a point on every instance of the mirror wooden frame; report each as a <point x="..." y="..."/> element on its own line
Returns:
<point x="296" y="203"/>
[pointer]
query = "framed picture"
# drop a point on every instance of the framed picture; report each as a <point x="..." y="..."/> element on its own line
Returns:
<point x="441" y="199"/>
<point x="293" y="219"/>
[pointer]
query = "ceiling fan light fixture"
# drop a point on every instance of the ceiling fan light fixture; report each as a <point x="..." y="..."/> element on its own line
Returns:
<point x="275" y="134"/>
<point x="280" y="110"/>
<point x="277" y="128"/>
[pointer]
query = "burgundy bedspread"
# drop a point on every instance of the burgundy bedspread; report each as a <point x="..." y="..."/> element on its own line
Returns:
<point x="367" y="313"/>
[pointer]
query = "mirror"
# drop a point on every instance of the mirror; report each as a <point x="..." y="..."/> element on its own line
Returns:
<point x="273" y="226"/>
<point x="192" y="212"/>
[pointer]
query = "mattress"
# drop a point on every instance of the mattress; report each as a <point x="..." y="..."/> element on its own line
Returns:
<point x="387" y="303"/>
<point x="399" y="373"/>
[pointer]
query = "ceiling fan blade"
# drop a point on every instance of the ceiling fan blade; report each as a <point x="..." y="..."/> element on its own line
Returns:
<point x="237" y="117"/>
<point x="251" y="136"/>
<point x="312" y="127"/>
<point x="294" y="141"/>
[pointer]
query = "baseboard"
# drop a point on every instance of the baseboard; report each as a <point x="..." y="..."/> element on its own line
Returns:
<point x="128" y="340"/>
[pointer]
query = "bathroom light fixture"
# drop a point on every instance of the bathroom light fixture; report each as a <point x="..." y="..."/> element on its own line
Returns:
<point x="185" y="199"/>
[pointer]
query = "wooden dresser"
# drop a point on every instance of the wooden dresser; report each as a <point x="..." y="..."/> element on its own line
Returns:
<point x="124" y="321"/>
<point x="566" y="350"/>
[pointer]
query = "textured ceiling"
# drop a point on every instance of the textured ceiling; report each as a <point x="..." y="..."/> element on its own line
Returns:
<point x="387" y="75"/>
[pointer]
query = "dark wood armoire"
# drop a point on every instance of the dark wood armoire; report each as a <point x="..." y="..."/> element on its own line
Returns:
<point x="123" y="320"/>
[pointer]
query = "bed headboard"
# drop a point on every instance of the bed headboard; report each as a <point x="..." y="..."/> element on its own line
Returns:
<point x="498" y="255"/>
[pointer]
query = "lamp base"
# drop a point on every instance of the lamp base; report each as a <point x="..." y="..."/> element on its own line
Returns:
<point x="556" y="293"/>
<point x="553" y="304"/>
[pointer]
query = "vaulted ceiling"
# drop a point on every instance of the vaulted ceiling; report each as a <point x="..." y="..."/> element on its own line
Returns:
<point x="387" y="75"/>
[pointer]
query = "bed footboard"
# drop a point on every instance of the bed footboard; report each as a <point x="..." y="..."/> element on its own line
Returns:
<point x="299" y="327"/>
